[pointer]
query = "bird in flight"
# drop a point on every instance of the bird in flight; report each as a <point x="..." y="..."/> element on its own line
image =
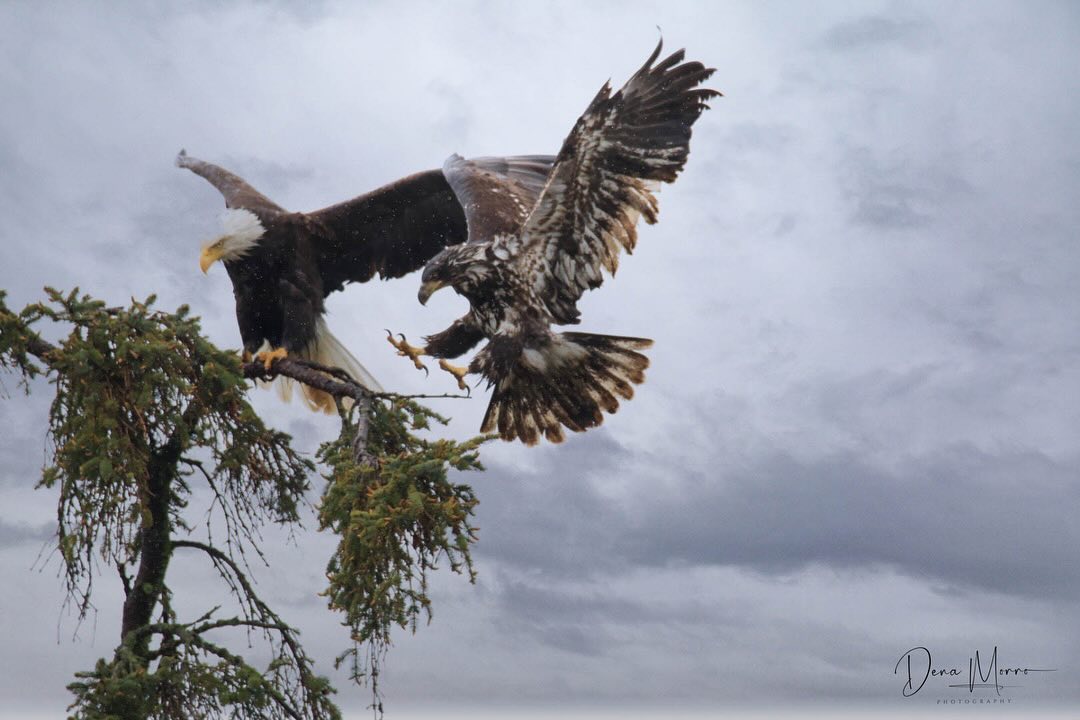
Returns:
<point x="284" y="264"/>
<point x="528" y="260"/>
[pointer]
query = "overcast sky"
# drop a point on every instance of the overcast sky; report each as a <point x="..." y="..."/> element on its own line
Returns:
<point x="859" y="430"/>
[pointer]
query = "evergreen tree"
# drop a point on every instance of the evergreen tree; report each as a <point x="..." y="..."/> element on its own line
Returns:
<point x="146" y="408"/>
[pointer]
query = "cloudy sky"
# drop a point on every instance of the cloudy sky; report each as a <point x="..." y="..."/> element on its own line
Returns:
<point x="859" y="430"/>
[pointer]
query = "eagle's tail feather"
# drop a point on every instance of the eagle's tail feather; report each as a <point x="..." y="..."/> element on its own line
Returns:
<point x="327" y="350"/>
<point x="569" y="382"/>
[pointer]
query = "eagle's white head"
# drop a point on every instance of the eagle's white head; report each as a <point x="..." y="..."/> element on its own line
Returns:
<point x="242" y="232"/>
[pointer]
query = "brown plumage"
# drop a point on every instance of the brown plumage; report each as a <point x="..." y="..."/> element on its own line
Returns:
<point x="283" y="264"/>
<point x="525" y="265"/>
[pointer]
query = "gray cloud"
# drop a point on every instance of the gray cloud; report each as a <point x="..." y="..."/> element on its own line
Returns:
<point x="15" y="534"/>
<point x="858" y="423"/>
<point x="875" y="31"/>
<point x="893" y="195"/>
<point x="958" y="516"/>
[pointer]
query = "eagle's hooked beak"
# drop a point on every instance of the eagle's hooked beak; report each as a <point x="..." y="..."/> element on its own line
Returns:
<point x="428" y="289"/>
<point x="210" y="255"/>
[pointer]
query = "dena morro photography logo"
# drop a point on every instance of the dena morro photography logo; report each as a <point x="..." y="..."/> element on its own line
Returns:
<point x="984" y="679"/>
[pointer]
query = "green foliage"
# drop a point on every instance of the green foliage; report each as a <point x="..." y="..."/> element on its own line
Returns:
<point x="135" y="387"/>
<point x="15" y="340"/>
<point x="145" y="406"/>
<point x="195" y="678"/>
<point x="397" y="514"/>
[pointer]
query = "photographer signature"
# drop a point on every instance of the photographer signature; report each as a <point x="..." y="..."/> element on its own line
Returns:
<point x="920" y="667"/>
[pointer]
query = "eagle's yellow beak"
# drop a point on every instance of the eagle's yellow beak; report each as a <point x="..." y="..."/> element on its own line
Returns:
<point x="210" y="255"/>
<point x="427" y="289"/>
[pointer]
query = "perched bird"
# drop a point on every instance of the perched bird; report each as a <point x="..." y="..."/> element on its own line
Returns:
<point x="527" y="263"/>
<point x="283" y="264"/>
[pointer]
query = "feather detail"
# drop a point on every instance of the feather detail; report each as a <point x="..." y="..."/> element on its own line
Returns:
<point x="619" y="151"/>
<point x="569" y="381"/>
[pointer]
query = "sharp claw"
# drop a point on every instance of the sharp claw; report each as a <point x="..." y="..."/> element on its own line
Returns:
<point x="459" y="373"/>
<point x="269" y="358"/>
<point x="406" y="350"/>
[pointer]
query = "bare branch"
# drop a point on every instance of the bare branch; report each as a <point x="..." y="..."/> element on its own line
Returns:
<point x="330" y="380"/>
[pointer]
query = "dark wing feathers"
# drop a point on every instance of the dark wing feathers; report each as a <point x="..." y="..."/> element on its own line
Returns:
<point x="397" y="228"/>
<point x="237" y="193"/>
<point x="620" y="148"/>
<point x="497" y="194"/>
<point x="390" y="231"/>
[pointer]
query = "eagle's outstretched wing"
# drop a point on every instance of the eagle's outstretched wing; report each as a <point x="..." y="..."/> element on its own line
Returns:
<point x="619" y="149"/>
<point x="497" y="194"/>
<point x="238" y="194"/>
<point x="391" y="231"/>
<point x="397" y="228"/>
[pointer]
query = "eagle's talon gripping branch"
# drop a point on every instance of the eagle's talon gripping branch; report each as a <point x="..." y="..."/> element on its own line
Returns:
<point x="406" y="350"/>
<point x="459" y="373"/>
<point x="268" y="358"/>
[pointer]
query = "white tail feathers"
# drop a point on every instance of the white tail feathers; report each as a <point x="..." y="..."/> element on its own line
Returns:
<point x="327" y="350"/>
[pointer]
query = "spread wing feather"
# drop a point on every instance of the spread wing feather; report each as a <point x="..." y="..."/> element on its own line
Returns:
<point x="497" y="194"/>
<point x="399" y="227"/>
<point x="237" y="193"/>
<point x="391" y="231"/>
<point x="619" y="150"/>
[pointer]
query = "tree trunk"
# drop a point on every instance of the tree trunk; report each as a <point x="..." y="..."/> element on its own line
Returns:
<point x="154" y="546"/>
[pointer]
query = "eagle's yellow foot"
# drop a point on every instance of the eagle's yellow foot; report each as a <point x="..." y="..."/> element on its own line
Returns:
<point x="404" y="349"/>
<point x="245" y="356"/>
<point x="268" y="358"/>
<point x="458" y="372"/>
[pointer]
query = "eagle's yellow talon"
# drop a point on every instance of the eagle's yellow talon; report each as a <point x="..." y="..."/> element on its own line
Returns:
<point x="245" y="356"/>
<point x="406" y="350"/>
<point x="268" y="358"/>
<point x="457" y="372"/>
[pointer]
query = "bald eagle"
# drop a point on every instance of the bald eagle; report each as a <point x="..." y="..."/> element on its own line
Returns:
<point x="283" y="264"/>
<point x="527" y="262"/>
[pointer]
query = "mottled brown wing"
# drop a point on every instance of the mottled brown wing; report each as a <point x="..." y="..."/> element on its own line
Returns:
<point x="237" y="193"/>
<point x="619" y="150"/>
<point x="497" y="194"/>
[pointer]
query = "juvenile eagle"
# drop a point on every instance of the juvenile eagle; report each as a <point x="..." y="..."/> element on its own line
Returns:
<point x="527" y="262"/>
<point x="283" y="264"/>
